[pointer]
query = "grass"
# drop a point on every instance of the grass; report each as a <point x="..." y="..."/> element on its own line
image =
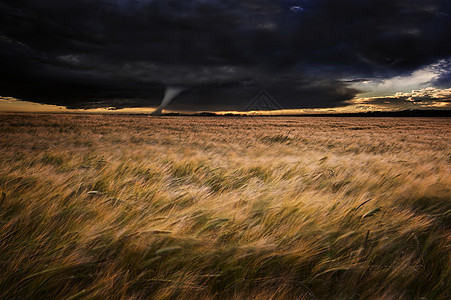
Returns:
<point x="131" y="207"/>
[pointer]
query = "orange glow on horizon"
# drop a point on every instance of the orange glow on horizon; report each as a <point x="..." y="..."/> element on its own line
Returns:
<point x="9" y="104"/>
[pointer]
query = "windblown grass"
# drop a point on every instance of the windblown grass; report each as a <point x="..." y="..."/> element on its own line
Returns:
<point x="123" y="207"/>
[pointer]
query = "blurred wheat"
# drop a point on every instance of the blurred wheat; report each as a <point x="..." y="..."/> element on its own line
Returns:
<point x="131" y="207"/>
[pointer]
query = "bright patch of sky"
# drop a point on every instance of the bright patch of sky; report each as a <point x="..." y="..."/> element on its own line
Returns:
<point x="417" y="80"/>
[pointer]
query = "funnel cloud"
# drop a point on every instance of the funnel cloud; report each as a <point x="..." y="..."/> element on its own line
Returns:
<point x="169" y="95"/>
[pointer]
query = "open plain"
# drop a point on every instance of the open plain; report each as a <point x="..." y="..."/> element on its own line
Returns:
<point x="134" y="207"/>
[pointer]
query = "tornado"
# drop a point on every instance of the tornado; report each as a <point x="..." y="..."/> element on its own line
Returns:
<point x="169" y="95"/>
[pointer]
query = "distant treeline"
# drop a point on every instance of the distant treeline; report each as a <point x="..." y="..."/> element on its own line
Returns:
<point x="377" y="114"/>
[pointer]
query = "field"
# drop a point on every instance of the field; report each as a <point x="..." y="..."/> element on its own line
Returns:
<point x="137" y="207"/>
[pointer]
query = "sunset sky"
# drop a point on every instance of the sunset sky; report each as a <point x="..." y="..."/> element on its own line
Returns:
<point x="309" y="55"/>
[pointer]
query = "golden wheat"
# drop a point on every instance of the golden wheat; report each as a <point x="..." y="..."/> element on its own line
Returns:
<point x="132" y="207"/>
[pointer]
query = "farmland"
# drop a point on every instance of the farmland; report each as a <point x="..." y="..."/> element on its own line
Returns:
<point x="135" y="207"/>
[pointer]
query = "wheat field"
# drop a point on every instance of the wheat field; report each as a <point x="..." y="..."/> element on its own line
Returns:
<point x="137" y="207"/>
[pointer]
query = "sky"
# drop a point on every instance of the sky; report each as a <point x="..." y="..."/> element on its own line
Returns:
<point x="308" y="55"/>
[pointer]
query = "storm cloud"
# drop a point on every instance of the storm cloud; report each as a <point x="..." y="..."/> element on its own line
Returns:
<point x="305" y="53"/>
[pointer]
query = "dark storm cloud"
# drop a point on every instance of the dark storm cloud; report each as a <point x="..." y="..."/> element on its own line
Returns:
<point x="82" y="53"/>
<point x="444" y="79"/>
